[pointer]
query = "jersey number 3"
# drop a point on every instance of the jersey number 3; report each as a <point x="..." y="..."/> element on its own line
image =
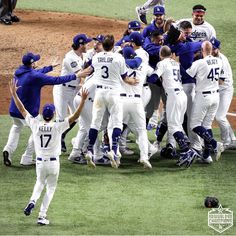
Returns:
<point x="45" y="139"/>
<point x="105" y="73"/>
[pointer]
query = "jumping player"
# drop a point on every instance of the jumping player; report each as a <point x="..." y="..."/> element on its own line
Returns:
<point x="47" y="139"/>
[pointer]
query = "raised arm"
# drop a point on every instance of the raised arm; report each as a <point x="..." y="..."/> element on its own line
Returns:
<point x="13" y="88"/>
<point x="76" y="114"/>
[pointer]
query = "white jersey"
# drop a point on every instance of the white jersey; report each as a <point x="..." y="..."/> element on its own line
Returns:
<point x="207" y="72"/>
<point x="226" y="72"/>
<point x="169" y="70"/>
<point x="108" y="69"/>
<point x="141" y="74"/>
<point x="47" y="136"/>
<point x="202" y="32"/>
<point x="72" y="63"/>
<point x="143" y="55"/>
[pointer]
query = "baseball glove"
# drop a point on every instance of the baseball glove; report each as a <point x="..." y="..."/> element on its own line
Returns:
<point x="211" y="202"/>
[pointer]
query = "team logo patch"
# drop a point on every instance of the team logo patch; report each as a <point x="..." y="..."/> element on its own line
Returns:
<point x="73" y="64"/>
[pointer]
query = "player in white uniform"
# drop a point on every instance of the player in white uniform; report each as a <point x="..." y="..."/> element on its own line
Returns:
<point x="142" y="10"/>
<point x="109" y="70"/>
<point x="86" y="116"/>
<point x="63" y="95"/>
<point x="201" y="29"/>
<point x="133" y="107"/>
<point x="176" y="103"/>
<point x="226" y="91"/>
<point x="47" y="139"/>
<point x="207" y="72"/>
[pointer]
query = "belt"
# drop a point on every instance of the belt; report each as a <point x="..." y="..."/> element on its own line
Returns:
<point x="145" y="85"/>
<point x="50" y="159"/>
<point x="210" y="92"/>
<point x="104" y="87"/>
<point x="69" y="86"/>
<point x="176" y="90"/>
<point x="127" y="95"/>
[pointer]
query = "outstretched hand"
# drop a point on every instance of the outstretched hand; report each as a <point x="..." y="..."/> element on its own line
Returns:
<point x="84" y="93"/>
<point x="13" y="86"/>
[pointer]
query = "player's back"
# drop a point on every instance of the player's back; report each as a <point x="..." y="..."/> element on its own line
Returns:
<point x="140" y="74"/>
<point x="169" y="70"/>
<point x="108" y="68"/>
<point x="207" y="72"/>
<point x="47" y="136"/>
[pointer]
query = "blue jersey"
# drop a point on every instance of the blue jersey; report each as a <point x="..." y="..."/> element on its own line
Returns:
<point x="153" y="50"/>
<point x="186" y="52"/>
<point x="31" y="81"/>
<point x="147" y="31"/>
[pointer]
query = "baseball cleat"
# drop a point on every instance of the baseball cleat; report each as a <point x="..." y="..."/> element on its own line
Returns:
<point x="27" y="162"/>
<point x="141" y="15"/>
<point x="29" y="208"/>
<point x="6" y="158"/>
<point x="43" y="221"/>
<point x="152" y="150"/>
<point x="126" y="151"/>
<point x="103" y="161"/>
<point x="203" y="160"/>
<point x="146" y="164"/>
<point x="89" y="159"/>
<point x="111" y="156"/>
<point x="218" y="150"/>
<point x="186" y="158"/>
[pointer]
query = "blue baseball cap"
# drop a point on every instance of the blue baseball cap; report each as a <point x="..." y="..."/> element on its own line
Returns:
<point x="125" y="39"/>
<point x="134" y="25"/>
<point x="215" y="42"/>
<point x="29" y="58"/>
<point x="48" y="111"/>
<point x="136" y="38"/>
<point x="99" y="38"/>
<point x="128" y="52"/>
<point x="81" y="39"/>
<point x="159" y="10"/>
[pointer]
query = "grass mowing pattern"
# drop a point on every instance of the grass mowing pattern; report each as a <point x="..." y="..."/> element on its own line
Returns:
<point x="129" y="200"/>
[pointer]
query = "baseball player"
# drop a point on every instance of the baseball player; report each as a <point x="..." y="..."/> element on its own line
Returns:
<point x="132" y="27"/>
<point x="63" y="95"/>
<point x="176" y="103"/>
<point x="80" y="141"/>
<point x="6" y="12"/>
<point x="207" y="72"/>
<point x="109" y="70"/>
<point x="46" y="135"/>
<point x="31" y="82"/>
<point x="142" y="10"/>
<point x="133" y="107"/>
<point x="158" y="22"/>
<point x="226" y="91"/>
<point x="185" y="50"/>
<point x="201" y="29"/>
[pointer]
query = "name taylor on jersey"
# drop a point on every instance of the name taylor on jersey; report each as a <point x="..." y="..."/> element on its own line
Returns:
<point x="105" y="59"/>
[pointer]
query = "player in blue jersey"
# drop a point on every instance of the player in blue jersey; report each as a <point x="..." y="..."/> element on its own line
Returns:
<point x="31" y="81"/>
<point x="158" y="22"/>
<point x="132" y="26"/>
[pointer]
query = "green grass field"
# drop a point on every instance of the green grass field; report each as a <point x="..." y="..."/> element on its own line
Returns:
<point x="129" y="200"/>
